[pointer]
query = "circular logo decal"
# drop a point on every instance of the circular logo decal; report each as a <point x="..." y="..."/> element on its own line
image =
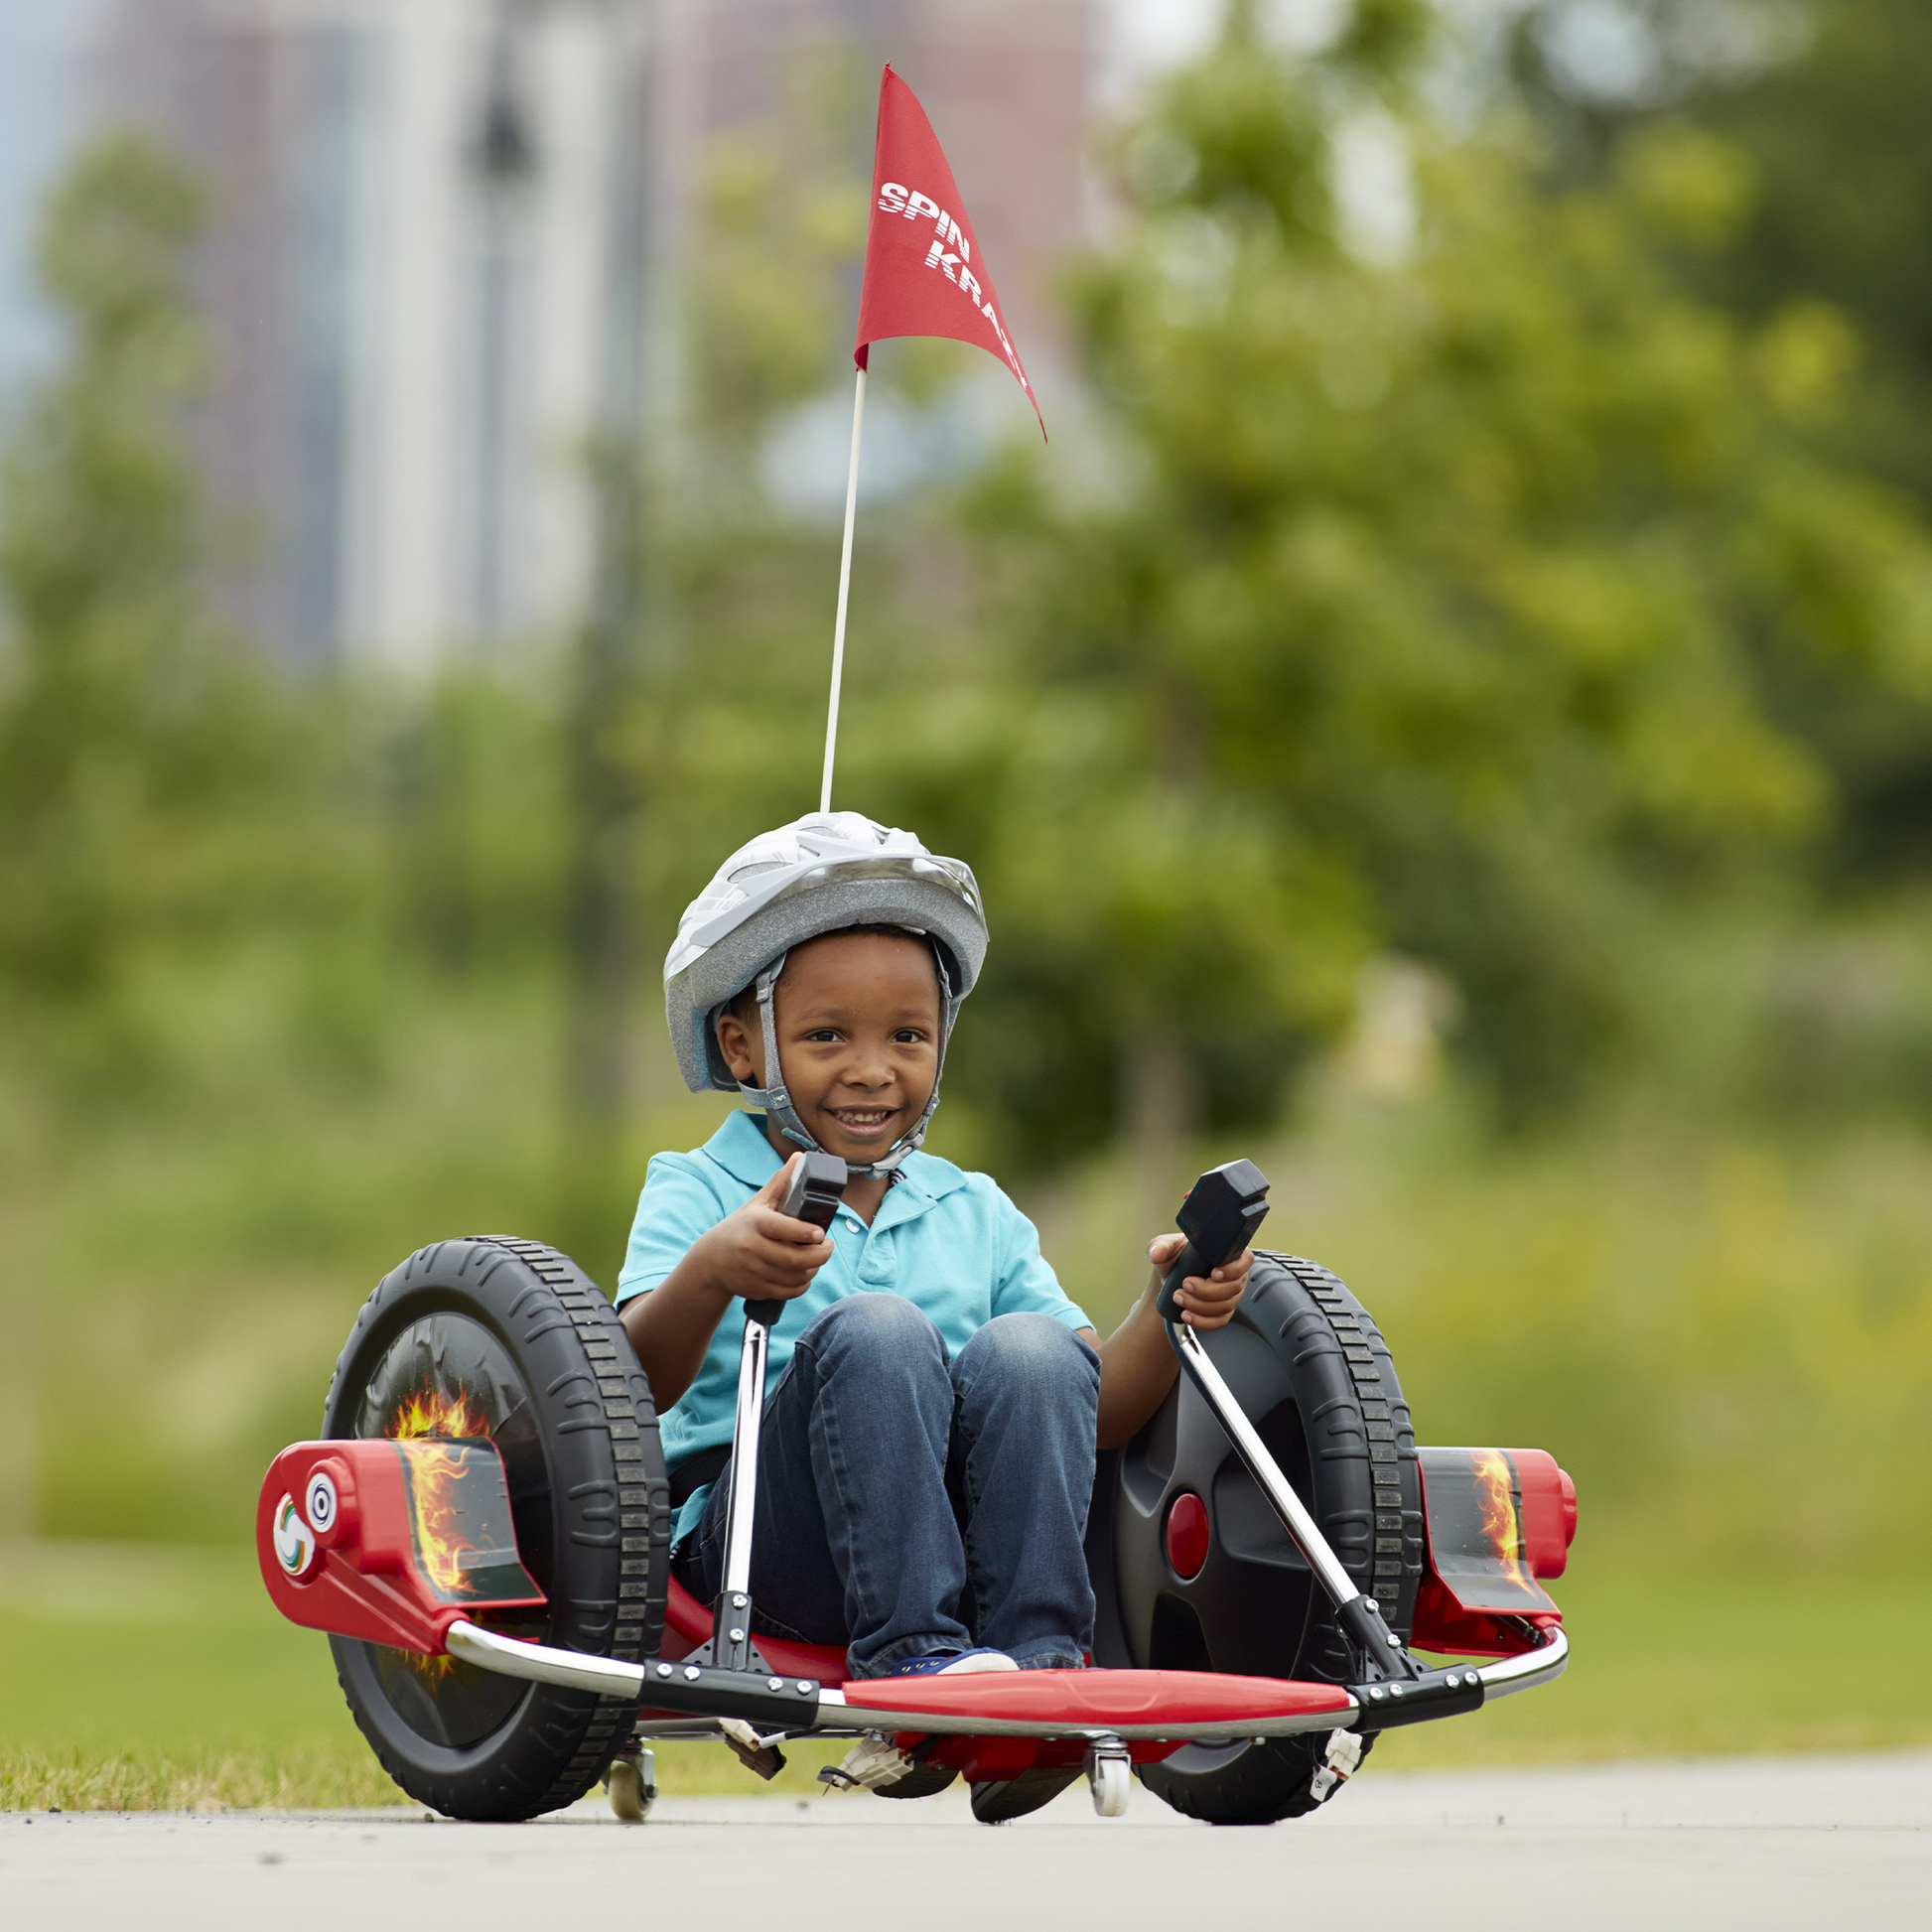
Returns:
<point x="295" y="1542"/>
<point x="319" y="1503"/>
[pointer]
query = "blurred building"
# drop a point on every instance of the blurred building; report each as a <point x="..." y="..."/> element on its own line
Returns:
<point x="445" y="227"/>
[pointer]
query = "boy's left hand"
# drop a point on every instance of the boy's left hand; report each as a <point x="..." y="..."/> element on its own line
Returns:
<point x="1205" y="1301"/>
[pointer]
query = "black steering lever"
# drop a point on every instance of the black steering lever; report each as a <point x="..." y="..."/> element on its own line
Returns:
<point x="1219" y="1217"/>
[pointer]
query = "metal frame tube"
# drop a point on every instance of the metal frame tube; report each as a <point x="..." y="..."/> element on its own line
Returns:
<point x="828" y="1709"/>
<point x="575" y="1670"/>
<point x="831" y="1709"/>
<point x="1359" y="1612"/>
<point x="1527" y="1672"/>
<point x="743" y="1501"/>
<point x="1306" y="1533"/>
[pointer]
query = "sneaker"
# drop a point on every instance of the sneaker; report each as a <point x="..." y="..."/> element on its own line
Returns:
<point x="878" y="1765"/>
<point x="953" y="1663"/>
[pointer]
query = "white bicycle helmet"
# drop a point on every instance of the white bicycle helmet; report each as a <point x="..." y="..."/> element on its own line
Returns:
<point x="818" y="875"/>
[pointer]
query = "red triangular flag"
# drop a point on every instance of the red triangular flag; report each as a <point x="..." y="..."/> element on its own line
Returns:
<point x="924" y="274"/>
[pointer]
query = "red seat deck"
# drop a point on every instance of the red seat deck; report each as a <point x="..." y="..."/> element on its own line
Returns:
<point x="1127" y="1703"/>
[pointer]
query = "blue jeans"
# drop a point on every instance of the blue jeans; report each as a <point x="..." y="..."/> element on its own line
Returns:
<point x="909" y="1502"/>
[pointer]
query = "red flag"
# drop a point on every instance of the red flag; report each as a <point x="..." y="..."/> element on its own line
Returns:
<point x="924" y="274"/>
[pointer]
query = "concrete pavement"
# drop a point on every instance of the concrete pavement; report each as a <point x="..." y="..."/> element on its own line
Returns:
<point x="1756" y="1844"/>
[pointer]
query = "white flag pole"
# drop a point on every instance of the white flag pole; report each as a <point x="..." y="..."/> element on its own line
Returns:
<point x="844" y="587"/>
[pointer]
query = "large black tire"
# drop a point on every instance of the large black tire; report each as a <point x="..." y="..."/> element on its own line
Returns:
<point x="510" y="1339"/>
<point x="1313" y="1372"/>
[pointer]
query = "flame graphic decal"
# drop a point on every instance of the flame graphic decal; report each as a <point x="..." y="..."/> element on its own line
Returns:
<point x="434" y="1475"/>
<point x="433" y="1415"/>
<point x="1500" y="1522"/>
<point x="431" y="1411"/>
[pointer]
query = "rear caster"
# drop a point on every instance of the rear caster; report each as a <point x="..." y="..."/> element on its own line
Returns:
<point x="633" y="1784"/>
<point x="1108" y="1775"/>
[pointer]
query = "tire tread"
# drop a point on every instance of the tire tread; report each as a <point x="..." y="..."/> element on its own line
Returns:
<point x="564" y="1741"/>
<point x="1270" y="1781"/>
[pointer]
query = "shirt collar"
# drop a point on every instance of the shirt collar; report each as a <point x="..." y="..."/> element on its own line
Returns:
<point x="922" y="1180"/>
<point x="741" y="1149"/>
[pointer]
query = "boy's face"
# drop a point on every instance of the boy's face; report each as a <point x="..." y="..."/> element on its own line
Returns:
<point x="856" y="1016"/>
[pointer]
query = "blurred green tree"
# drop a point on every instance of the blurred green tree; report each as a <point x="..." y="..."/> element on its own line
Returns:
<point x="1831" y="263"/>
<point x="1834" y="137"/>
<point x="1824" y="103"/>
<point x="1821" y="106"/>
<point x="143" y="750"/>
<point x="1458" y="583"/>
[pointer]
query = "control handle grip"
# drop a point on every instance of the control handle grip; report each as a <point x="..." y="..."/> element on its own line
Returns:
<point x="1220" y="1216"/>
<point x="817" y="1187"/>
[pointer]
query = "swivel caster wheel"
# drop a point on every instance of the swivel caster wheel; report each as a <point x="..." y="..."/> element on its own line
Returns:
<point x="633" y="1784"/>
<point x="1109" y="1773"/>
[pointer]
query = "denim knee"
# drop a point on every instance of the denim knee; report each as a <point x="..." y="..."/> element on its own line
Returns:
<point x="873" y="1325"/>
<point x="1031" y="1351"/>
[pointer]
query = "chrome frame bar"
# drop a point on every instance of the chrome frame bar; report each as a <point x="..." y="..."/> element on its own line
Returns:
<point x="835" y="1712"/>
<point x="741" y="1504"/>
<point x="1265" y="1472"/>
<point x="1529" y="1669"/>
<point x="575" y="1670"/>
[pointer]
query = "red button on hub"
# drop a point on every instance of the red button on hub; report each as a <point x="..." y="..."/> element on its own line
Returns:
<point x="1187" y="1537"/>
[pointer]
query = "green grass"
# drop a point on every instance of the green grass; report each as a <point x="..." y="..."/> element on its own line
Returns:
<point x="1687" y="1665"/>
<point x="161" y="1677"/>
<point x="154" y="1678"/>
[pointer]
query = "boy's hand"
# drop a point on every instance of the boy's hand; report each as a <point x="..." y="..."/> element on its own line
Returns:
<point x="1205" y="1301"/>
<point x="762" y="1254"/>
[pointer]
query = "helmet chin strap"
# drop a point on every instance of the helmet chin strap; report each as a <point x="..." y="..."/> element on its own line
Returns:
<point x="775" y="1099"/>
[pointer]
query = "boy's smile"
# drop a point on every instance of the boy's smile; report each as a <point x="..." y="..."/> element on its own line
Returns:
<point x="858" y="1018"/>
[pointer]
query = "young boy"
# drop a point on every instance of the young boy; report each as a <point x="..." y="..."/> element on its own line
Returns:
<point x="935" y="1400"/>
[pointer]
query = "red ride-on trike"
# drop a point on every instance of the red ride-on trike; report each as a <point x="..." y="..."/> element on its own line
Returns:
<point x="485" y="1535"/>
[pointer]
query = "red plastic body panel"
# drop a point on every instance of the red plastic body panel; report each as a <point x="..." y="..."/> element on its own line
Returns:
<point x="1549" y="1511"/>
<point x="365" y="1578"/>
<point x="1096" y="1699"/>
<point x="1462" y="1613"/>
<point x="687" y="1625"/>
<point x="1443" y="1627"/>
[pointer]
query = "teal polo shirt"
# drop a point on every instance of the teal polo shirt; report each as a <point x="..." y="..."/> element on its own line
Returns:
<point x="948" y="1241"/>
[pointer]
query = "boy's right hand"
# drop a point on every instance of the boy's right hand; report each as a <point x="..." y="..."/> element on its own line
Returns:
<point x="764" y="1255"/>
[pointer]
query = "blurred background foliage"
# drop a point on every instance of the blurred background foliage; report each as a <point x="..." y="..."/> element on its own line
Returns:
<point x="1457" y="727"/>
